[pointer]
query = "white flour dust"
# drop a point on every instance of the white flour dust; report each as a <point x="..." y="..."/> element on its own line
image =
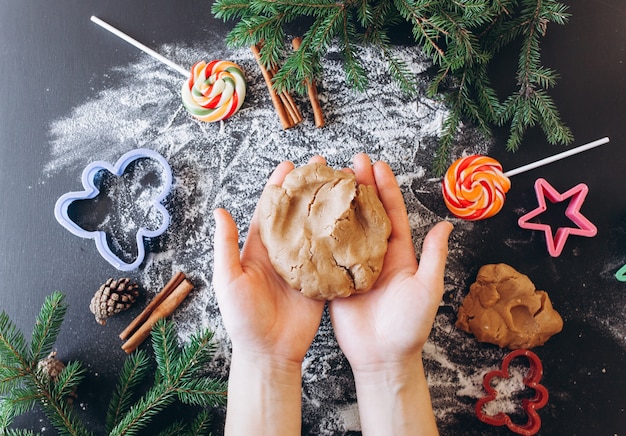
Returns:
<point x="226" y="165"/>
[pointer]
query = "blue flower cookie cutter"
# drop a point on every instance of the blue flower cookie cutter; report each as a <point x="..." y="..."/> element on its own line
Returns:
<point x="89" y="181"/>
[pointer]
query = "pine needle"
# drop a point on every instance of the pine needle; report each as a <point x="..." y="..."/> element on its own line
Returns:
<point x="461" y="38"/>
<point x="179" y="376"/>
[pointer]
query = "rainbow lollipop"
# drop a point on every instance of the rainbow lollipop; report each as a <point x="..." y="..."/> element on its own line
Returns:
<point x="475" y="187"/>
<point x="212" y="92"/>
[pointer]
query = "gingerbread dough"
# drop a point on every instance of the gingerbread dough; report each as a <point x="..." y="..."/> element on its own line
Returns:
<point x="325" y="235"/>
<point x="503" y="308"/>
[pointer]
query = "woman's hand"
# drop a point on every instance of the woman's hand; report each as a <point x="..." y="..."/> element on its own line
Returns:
<point x="262" y="314"/>
<point x="271" y="327"/>
<point x="382" y="332"/>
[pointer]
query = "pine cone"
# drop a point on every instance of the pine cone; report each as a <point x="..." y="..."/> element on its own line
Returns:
<point x="113" y="297"/>
<point x="51" y="367"/>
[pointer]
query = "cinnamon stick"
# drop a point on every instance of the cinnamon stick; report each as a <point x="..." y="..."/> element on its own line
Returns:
<point x="289" y="103"/>
<point x="318" y="115"/>
<point x="163" y="310"/>
<point x="145" y="314"/>
<point x="276" y="101"/>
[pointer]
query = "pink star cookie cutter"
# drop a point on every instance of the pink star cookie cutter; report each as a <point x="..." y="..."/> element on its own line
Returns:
<point x="577" y="196"/>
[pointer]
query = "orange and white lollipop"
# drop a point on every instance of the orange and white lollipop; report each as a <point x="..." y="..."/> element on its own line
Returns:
<point x="475" y="187"/>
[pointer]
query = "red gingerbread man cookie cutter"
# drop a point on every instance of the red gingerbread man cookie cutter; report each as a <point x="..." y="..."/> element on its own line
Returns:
<point x="530" y="405"/>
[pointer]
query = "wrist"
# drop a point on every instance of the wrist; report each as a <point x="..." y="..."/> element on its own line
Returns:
<point x="394" y="399"/>
<point x="267" y="363"/>
<point x="264" y="395"/>
<point x="380" y="368"/>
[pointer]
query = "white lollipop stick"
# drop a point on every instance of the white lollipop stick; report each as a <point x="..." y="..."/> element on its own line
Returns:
<point x="140" y="46"/>
<point x="556" y="157"/>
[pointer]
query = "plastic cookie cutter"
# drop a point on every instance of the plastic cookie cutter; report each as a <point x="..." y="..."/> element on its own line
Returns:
<point x="577" y="196"/>
<point x="530" y="405"/>
<point x="120" y="206"/>
<point x="621" y="274"/>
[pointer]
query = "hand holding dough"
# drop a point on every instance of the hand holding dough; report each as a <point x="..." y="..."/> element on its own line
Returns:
<point x="325" y="234"/>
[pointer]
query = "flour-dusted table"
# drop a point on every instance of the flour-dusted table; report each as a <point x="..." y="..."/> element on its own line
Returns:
<point x="72" y="93"/>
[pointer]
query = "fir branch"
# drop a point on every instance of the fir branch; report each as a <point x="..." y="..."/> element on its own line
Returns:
<point x="13" y="348"/>
<point x="532" y="105"/>
<point x="461" y="37"/>
<point x="399" y="71"/>
<point x="34" y="387"/>
<point x="301" y="66"/>
<point x="442" y="155"/>
<point x="554" y="129"/>
<point x="355" y="73"/>
<point x="68" y="380"/>
<point x="203" y="392"/>
<point x="174" y="429"/>
<point x="165" y="347"/>
<point x="229" y="9"/>
<point x="10" y="378"/>
<point x="179" y="376"/>
<point x="200" y="425"/>
<point x="61" y="414"/>
<point x="176" y="372"/>
<point x="47" y="326"/>
<point x="133" y="373"/>
<point x="18" y="432"/>
<point x="22" y="400"/>
<point x="196" y="353"/>
<point x="144" y="410"/>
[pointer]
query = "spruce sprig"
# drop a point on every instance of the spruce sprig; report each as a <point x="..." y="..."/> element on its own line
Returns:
<point x="22" y="385"/>
<point x="179" y="376"/>
<point x="461" y="38"/>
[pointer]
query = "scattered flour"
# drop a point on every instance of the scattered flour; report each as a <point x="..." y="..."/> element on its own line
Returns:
<point x="226" y="165"/>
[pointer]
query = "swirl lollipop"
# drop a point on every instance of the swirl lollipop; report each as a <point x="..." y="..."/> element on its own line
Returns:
<point x="213" y="91"/>
<point x="475" y="187"/>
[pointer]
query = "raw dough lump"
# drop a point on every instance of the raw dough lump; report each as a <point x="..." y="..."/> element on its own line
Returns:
<point x="503" y="308"/>
<point x="325" y="235"/>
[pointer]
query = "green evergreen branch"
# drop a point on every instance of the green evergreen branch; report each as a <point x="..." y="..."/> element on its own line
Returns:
<point x="172" y="378"/>
<point x="200" y="425"/>
<point x="24" y="384"/>
<point x="144" y="410"/>
<point x="133" y="373"/>
<point x="174" y="429"/>
<point x="355" y="73"/>
<point x="21" y="400"/>
<point x="442" y="155"/>
<point x="68" y="380"/>
<point x="13" y="353"/>
<point x="13" y="432"/>
<point x="532" y="105"/>
<point x="47" y="327"/>
<point x="164" y="346"/>
<point x="461" y="38"/>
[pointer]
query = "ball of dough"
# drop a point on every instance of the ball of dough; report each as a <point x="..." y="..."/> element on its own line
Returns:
<point x="325" y="235"/>
<point x="504" y="308"/>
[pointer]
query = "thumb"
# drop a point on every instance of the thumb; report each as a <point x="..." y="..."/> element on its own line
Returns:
<point x="434" y="254"/>
<point x="227" y="265"/>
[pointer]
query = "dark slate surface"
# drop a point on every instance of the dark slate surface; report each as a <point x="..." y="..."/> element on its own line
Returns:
<point x="72" y="93"/>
